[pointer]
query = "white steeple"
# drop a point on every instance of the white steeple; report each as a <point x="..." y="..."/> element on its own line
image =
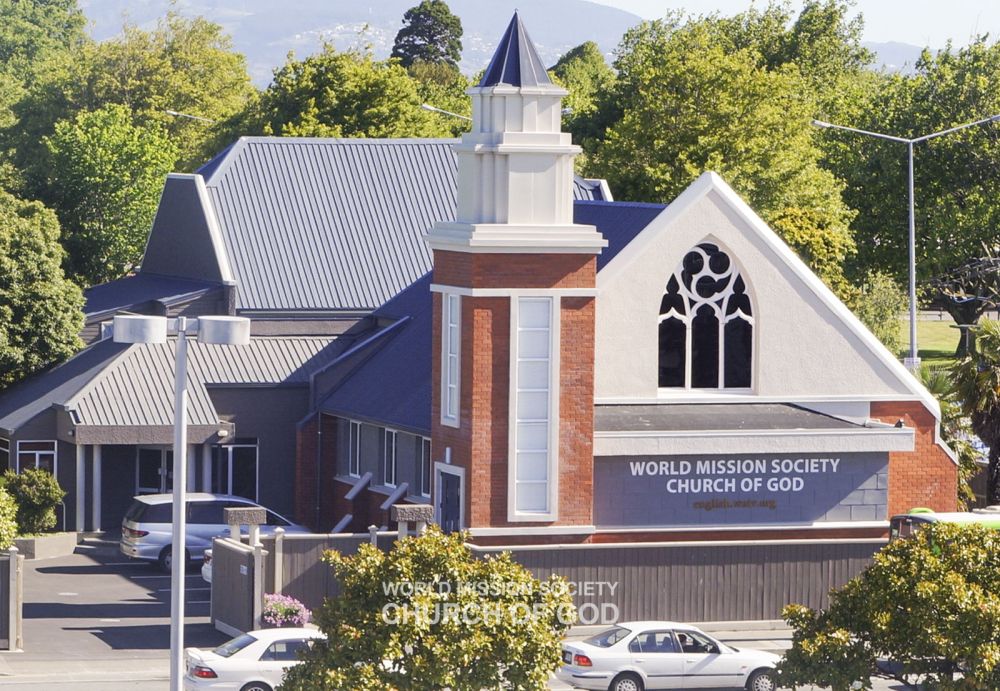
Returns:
<point x="515" y="168"/>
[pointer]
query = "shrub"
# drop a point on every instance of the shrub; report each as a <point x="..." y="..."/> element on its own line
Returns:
<point x="37" y="494"/>
<point x="283" y="610"/>
<point x="8" y="519"/>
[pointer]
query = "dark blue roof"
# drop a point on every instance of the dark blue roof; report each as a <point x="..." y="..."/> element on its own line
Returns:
<point x="515" y="61"/>
<point x="618" y="222"/>
<point x="139" y="288"/>
<point x="392" y="387"/>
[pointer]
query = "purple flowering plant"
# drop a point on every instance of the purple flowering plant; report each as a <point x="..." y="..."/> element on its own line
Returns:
<point x="283" y="610"/>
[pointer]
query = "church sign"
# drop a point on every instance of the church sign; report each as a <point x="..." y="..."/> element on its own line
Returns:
<point x="681" y="491"/>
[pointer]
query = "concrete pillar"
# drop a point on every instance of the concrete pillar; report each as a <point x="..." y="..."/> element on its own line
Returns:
<point x="81" y="486"/>
<point x="95" y="509"/>
<point x="206" y="467"/>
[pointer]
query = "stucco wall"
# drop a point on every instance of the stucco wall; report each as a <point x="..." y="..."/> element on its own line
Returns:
<point x="801" y="348"/>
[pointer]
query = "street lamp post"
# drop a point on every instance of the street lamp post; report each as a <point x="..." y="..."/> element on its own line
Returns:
<point x="913" y="361"/>
<point x="222" y="330"/>
<point x="442" y="111"/>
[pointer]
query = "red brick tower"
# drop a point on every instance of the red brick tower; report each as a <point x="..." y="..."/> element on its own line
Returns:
<point x="514" y="284"/>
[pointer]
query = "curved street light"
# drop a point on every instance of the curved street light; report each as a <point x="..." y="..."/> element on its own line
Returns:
<point x="913" y="361"/>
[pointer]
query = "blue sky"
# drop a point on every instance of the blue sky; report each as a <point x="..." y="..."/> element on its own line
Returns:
<point x="919" y="22"/>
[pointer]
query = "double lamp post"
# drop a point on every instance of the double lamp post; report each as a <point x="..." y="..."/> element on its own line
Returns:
<point x="221" y="330"/>
<point x="913" y="361"/>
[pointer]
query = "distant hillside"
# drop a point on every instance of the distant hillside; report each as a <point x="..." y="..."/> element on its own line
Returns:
<point x="265" y="31"/>
<point x="895" y="56"/>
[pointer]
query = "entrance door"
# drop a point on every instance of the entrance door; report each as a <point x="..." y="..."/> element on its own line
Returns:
<point x="153" y="470"/>
<point x="234" y="470"/>
<point x="450" y="503"/>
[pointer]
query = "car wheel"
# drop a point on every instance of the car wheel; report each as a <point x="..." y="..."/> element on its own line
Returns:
<point x="256" y="686"/>
<point x="166" y="558"/>
<point x="761" y="680"/>
<point x="626" y="682"/>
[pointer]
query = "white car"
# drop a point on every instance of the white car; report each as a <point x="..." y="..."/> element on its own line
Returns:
<point x="206" y="566"/>
<point x="663" y="655"/>
<point x="255" y="661"/>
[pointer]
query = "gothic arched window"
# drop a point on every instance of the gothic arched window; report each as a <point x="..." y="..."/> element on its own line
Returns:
<point x="706" y="324"/>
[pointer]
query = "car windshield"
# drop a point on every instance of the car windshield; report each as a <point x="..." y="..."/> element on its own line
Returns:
<point x="234" y="646"/>
<point x="606" y="639"/>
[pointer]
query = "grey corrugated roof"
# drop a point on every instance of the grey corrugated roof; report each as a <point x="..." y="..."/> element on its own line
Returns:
<point x="137" y="388"/>
<point x="709" y="417"/>
<point x="516" y="60"/>
<point x="329" y="224"/>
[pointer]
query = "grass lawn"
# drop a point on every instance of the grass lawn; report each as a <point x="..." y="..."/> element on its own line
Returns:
<point x="936" y="340"/>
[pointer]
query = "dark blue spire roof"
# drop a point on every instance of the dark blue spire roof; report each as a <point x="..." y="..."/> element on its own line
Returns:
<point x="516" y="61"/>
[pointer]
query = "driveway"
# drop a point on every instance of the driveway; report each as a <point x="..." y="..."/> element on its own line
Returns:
<point x="98" y="617"/>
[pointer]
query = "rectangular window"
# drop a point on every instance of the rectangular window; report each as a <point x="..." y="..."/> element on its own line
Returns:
<point x="354" y="449"/>
<point x="534" y="345"/>
<point x="36" y="454"/>
<point x="4" y="454"/>
<point x="389" y="459"/>
<point x="234" y="469"/>
<point x="451" y="342"/>
<point x="425" y="466"/>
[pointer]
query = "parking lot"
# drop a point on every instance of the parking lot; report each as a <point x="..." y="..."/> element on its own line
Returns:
<point x="97" y="617"/>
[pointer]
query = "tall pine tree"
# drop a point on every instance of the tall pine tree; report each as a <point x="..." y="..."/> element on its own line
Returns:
<point x="430" y="33"/>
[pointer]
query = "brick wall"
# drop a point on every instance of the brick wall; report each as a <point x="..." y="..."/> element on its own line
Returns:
<point x="926" y="476"/>
<point x="305" y="471"/>
<point x="316" y="490"/>
<point x="515" y="270"/>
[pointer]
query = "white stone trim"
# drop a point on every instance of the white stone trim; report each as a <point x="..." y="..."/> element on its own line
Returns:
<point x="710" y="182"/>
<point x="485" y="238"/>
<point x="730" y="396"/>
<point x="513" y="292"/>
<point x="555" y="326"/>
<point x="832" y="525"/>
<point x="534" y="530"/>
<point x="446" y="315"/>
<point x="679" y="443"/>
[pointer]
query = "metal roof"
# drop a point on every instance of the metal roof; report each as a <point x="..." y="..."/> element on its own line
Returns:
<point x="704" y="417"/>
<point x="329" y="224"/>
<point x="137" y="389"/>
<point x="515" y="61"/>
<point x="141" y="288"/>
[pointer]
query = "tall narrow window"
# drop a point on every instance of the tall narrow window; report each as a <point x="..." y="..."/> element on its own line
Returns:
<point x="389" y="459"/>
<point x="535" y="345"/>
<point x="4" y="454"/>
<point x="354" y="449"/>
<point x="451" y="343"/>
<point x="425" y="466"/>
<point x="36" y="454"/>
<point x="706" y="324"/>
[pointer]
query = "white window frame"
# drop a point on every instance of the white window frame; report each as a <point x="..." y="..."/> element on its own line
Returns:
<point x="552" y="476"/>
<point x="389" y="461"/>
<point x="54" y="453"/>
<point x="354" y="448"/>
<point x="440" y="469"/>
<point x="226" y="456"/>
<point x="451" y="359"/>
<point x="425" y="463"/>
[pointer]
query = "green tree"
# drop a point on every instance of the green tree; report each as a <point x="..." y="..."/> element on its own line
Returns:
<point x="977" y="382"/>
<point x="956" y="429"/>
<point x="8" y="519"/>
<point x="430" y="615"/>
<point x="106" y="178"/>
<point x="879" y="304"/>
<point x="430" y="33"/>
<point x="689" y="105"/>
<point x="443" y="86"/>
<point x="930" y="603"/>
<point x="40" y="311"/>
<point x="343" y="94"/>
<point x="957" y="183"/>
<point x="585" y="73"/>
<point x="30" y="31"/>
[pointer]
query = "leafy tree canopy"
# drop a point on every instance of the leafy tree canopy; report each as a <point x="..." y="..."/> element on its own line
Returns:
<point x="106" y="178"/>
<point x="344" y="94"/>
<point x="930" y="604"/>
<point x="585" y="73"/>
<point x="443" y="86"/>
<point x="40" y="310"/>
<point x="390" y="627"/>
<point x="977" y="381"/>
<point x="430" y="33"/>
<point x="688" y="104"/>
<point x="30" y="31"/>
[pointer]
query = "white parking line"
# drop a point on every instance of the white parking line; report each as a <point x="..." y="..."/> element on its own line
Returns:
<point x="187" y="590"/>
<point x="124" y="563"/>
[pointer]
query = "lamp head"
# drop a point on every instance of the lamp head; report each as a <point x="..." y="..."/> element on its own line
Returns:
<point x="139" y="328"/>
<point x="224" y="330"/>
<point x="821" y="123"/>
